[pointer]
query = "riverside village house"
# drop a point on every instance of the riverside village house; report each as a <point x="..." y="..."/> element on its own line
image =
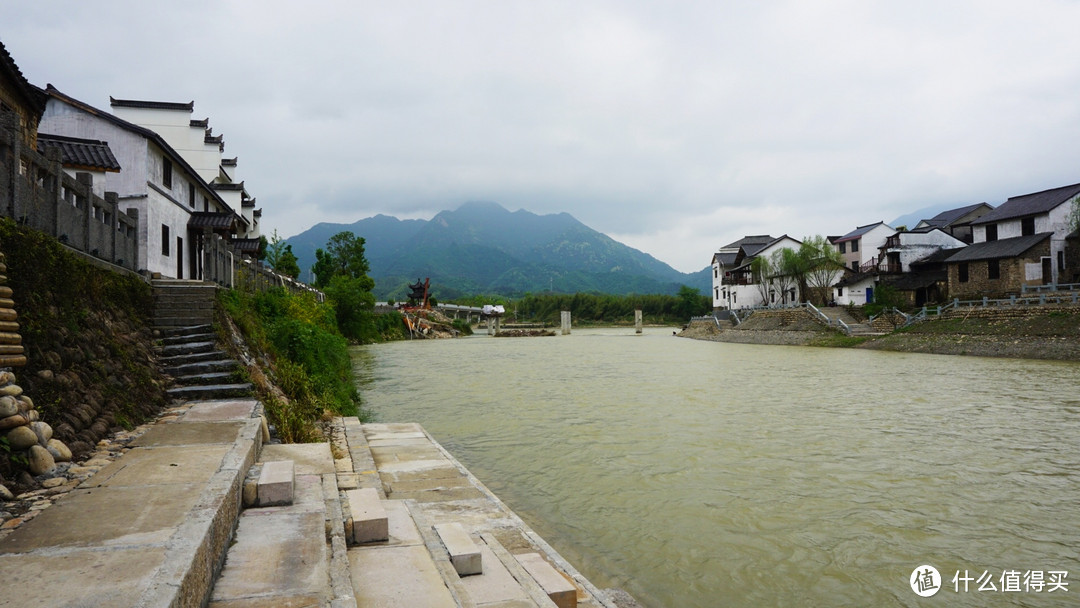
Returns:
<point x="176" y="208"/>
<point x="970" y="252"/>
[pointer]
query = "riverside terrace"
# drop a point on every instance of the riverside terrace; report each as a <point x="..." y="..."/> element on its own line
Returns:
<point x="201" y="512"/>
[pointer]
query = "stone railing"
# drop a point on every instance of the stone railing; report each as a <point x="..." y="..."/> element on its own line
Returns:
<point x="36" y="192"/>
<point x="223" y="265"/>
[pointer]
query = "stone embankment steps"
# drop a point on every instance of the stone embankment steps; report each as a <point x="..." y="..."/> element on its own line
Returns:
<point x="183" y="303"/>
<point x="149" y="529"/>
<point x="857" y="329"/>
<point x="201" y="371"/>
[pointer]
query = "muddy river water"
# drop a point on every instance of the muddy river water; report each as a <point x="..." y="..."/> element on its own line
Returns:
<point x="706" y="474"/>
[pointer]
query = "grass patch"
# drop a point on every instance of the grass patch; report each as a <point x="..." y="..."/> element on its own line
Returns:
<point x="310" y="357"/>
<point x="837" y="340"/>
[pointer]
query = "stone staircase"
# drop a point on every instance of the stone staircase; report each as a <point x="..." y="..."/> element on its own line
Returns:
<point x="183" y="303"/>
<point x="183" y="318"/>
<point x="339" y="541"/>
<point x="857" y="329"/>
<point x="199" y="368"/>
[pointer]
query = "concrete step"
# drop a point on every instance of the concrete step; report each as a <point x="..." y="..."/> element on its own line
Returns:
<point x="204" y="379"/>
<point x="367" y="518"/>
<point x="181" y="321"/>
<point x="558" y="588"/>
<point x="187" y="348"/>
<point x="193" y="358"/>
<point x="190" y="329"/>
<point x="202" y="367"/>
<point x="399" y="572"/>
<point x="463" y="552"/>
<point x="279" y="555"/>
<point x="149" y="529"/>
<point x="208" y="392"/>
<point x="184" y="338"/>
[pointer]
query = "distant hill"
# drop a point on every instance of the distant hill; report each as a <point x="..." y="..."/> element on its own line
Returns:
<point x="483" y="248"/>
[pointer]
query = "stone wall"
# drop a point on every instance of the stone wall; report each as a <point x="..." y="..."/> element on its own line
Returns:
<point x="35" y="191"/>
<point x="992" y="313"/>
<point x="1012" y="275"/>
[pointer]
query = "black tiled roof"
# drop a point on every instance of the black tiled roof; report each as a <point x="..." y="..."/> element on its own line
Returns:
<point x="81" y="153"/>
<point x="1005" y="248"/>
<point x="51" y="91"/>
<point x="861" y="230"/>
<point x="200" y="124"/>
<point x="917" y="280"/>
<point x="246" y="245"/>
<point x="214" y="221"/>
<point x="235" y="187"/>
<point x="947" y="217"/>
<point x="1030" y="204"/>
<point x="763" y="239"/>
<point x="153" y="105"/>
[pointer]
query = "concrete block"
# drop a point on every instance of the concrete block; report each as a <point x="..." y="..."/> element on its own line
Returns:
<point x="464" y="554"/>
<point x="555" y="585"/>
<point x="276" y="483"/>
<point x="369" y="522"/>
<point x="397" y="576"/>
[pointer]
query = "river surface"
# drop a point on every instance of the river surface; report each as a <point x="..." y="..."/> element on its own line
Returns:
<point x="698" y="473"/>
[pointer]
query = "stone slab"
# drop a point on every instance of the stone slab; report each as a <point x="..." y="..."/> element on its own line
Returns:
<point x="375" y="435"/>
<point x="309" y="458"/>
<point x="402" y="528"/>
<point x="394" y="454"/>
<point x="434" y="467"/>
<point x="397" y="576"/>
<point x="555" y="585"/>
<point x="439" y="483"/>
<point x="275" y="485"/>
<point x="220" y="410"/>
<point x="464" y="554"/>
<point x="79" y="578"/>
<point x="161" y="466"/>
<point x="391" y="442"/>
<point x="189" y="433"/>
<point x="497" y="586"/>
<point x="282" y="555"/>
<point x="440" y="495"/>
<point x="368" y="516"/>
<point x="307" y="497"/>
<point x="113" y="517"/>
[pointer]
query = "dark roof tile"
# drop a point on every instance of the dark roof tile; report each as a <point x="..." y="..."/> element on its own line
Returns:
<point x="993" y="250"/>
<point x="152" y="105"/>
<point x="1030" y="204"/>
<point x="81" y="153"/>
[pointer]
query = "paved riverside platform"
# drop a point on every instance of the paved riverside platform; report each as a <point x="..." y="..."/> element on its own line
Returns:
<point x="148" y="529"/>
<point x="164" y="525"/>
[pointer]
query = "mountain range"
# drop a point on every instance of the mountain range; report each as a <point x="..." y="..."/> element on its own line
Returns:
<point x="482" y="248"/>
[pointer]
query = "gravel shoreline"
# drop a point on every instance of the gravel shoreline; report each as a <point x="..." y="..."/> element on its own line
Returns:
<point x="1058" y="348"/>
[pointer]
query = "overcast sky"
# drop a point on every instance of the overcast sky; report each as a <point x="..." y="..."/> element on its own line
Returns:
<point x="674" y="127"/>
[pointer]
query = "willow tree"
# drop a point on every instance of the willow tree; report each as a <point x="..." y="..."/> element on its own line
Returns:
<point x="823" y="266"/>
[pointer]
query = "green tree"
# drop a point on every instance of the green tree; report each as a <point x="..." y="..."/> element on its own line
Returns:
<point x="822" y="266"/>
<point x="762" y="270"/>
<point x="344" y="255"/>
<point x="1074" y="214"/>
<point x="690" y="303"/>
<point x="280" y="256"/>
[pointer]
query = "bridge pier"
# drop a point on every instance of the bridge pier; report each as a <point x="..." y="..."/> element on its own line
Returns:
<point x="565" y="318"/>
<point x="637" y="321"/>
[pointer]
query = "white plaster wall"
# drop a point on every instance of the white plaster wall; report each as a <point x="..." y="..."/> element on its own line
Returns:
<point x="853" y="294"/>
<point x="717" y="285"/>
<point x="129" y="148"/>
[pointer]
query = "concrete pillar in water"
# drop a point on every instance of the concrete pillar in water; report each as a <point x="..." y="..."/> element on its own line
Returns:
<point x="565" y="316"/>
<point x="637" y="321"/>
<point x="496" y="326"/>
<point x="490" y="326"/>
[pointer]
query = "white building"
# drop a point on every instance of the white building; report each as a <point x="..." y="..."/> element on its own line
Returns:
<point x="859" y="248"/>
<point x="1029" y="214"/>
<point x="174" y="204"/>
<point x="204" y="151"/>
<point x="903" y="248"/>
<point x="734" y="284"/>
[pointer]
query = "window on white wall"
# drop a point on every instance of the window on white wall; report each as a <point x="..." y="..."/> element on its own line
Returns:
<point x="164" y="240"/>
<point x="166" y="172"/>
